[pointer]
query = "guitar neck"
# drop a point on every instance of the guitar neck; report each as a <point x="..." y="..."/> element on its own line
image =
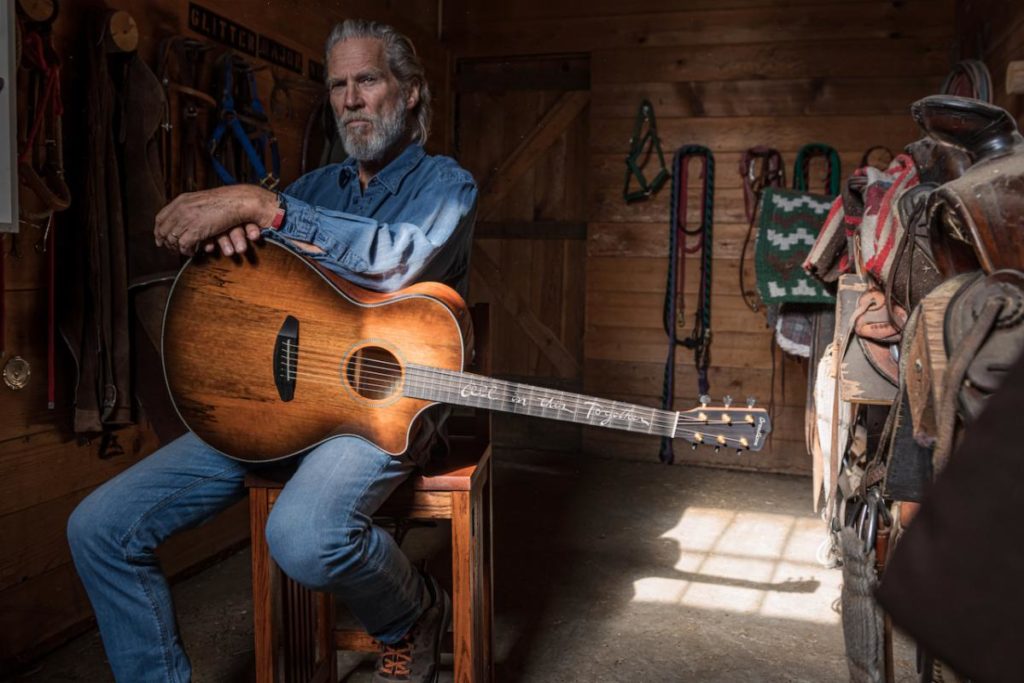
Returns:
<point x="466" y="389"/>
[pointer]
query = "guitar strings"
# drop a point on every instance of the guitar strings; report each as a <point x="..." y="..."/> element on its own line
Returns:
<point x="709" y="439"/>
<point x="449" y="374"/>
<point x="391" y="379"/>
<point x="387" y="381"/>
<point x="419" y="377"/>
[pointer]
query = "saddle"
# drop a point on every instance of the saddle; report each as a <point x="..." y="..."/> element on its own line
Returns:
<point x="956" y="263"/>
<point x="975" y="219"/>
<point x="877" y="327"/>
<point x="983" y="338"/>
<point x="914" y="272"/>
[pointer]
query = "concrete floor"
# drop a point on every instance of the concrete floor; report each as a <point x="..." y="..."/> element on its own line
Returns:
<point x="605" y="571"/>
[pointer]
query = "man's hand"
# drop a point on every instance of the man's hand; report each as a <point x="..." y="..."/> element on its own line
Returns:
<point x="232" y="214"/>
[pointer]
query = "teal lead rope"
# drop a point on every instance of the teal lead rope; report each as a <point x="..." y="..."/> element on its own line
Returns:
<point x="803" y="161"/>
<point x="700" y="338"/>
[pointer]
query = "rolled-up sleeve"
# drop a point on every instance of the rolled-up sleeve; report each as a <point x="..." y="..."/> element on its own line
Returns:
<point x="385" y="255"/>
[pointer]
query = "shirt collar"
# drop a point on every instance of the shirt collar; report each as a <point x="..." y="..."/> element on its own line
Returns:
<point x="390" y="176"/>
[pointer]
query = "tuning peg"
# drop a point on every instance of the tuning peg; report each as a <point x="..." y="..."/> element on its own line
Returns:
<point x="751" y="401"/>
<point x="717" y="448"/>
<point x="693" y="446"/>
<point x="739" y="451"/>
<point x="704" y="400"/>
<point x="727" y="401"/>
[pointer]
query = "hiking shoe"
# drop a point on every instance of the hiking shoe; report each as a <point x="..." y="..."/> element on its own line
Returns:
<point x="414" y="658"/>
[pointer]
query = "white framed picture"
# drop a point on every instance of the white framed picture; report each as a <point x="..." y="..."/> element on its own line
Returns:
<point x="8" y="121"/>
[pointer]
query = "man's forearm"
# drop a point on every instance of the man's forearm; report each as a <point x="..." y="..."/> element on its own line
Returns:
<point x="194" y="217"/>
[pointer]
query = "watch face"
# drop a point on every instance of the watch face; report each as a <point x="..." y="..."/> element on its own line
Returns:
<point x="16" y="372"/>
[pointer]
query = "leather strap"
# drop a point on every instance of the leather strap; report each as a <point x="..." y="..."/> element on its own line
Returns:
<point x="875" y="322"/>
<point x="180" y="67"/>
<point x="760" y="167"/>
<point x="49" y="246"/>
<point x="955" y="373"/>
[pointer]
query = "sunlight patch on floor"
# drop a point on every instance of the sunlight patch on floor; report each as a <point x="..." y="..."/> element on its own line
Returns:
<point x="747" y="563"/>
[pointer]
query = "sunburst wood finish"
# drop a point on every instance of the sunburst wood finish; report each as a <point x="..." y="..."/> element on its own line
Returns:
<point x="269" y="355"/>
<point x="222" y="322"/>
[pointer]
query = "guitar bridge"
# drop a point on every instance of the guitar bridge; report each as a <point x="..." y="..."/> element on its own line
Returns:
<point x="286" y="358"/>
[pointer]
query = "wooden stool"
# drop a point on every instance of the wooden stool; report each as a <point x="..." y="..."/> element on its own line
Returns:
<point x="294" y="627"/>
<point x="299" y="644"/>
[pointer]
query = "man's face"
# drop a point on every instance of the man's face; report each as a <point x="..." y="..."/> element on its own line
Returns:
<point x="369" y="104"/>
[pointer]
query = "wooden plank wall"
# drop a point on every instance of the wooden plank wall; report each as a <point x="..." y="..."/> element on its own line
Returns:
<point x="533" y="279"/>
<point x="993" y="31"/>
<point x="728" y="74"/>
<point x="44" y="470"/>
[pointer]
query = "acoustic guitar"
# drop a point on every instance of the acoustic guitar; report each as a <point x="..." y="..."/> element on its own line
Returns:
<point x="269" y="354"/>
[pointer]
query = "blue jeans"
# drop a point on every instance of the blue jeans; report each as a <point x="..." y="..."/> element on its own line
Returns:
<point x="320" y="532"/>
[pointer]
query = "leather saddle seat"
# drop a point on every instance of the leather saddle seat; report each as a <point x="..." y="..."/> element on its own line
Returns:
<point x="976" y="219"/>
<point x="983" y="130"/>
<point x="938" y="162"/>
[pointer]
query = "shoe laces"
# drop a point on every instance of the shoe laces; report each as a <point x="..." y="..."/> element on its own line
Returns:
<point x="396" y="658"/>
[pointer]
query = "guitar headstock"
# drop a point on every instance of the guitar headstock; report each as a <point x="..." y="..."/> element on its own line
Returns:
<point x="725" y="426"/>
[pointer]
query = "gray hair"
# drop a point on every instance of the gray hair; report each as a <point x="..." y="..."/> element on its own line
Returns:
<point x="402" y="60"/>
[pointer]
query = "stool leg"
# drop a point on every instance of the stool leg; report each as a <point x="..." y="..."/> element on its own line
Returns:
<point x="262" y="571"/>
<point x="328" y="663"/>
<point x="468" y="601"/>
<point x="487" y="572"/>
<point x="462" y="580"/>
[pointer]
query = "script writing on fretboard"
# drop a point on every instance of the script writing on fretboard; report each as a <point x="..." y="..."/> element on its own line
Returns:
<point x="718" y="427"/>
<point x="495" y="394"/>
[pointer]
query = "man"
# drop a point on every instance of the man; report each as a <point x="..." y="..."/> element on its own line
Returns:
<point x="388" y="216"/>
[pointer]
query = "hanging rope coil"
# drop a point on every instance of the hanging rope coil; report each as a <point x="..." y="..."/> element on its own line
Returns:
<point x="699" y="339"/>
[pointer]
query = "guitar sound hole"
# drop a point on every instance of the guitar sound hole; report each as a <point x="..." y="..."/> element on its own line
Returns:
<point x="373" y="373"/>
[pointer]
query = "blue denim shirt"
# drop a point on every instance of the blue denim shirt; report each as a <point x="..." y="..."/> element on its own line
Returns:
<point x="413" y="222"/>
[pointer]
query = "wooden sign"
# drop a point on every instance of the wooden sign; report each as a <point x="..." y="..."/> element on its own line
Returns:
<point x="234" y="35"/>
<point x="212" y="25"/>
<point x="282" y="55"/>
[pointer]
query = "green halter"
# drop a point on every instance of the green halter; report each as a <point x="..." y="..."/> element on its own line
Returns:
<point x="640" y="148"/>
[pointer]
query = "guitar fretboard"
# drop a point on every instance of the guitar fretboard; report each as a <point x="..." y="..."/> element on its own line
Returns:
<point x="466" y="389"/>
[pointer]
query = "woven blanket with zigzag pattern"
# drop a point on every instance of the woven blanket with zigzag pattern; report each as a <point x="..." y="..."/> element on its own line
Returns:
<point x="788" y="225"/>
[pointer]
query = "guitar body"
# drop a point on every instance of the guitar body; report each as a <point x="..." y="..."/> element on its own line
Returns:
<point x="268" y="354"/>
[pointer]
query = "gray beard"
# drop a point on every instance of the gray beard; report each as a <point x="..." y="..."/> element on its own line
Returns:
<point x="386" y="130"/>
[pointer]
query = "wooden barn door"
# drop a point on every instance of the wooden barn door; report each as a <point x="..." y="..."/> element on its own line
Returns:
<point x="522" y="130"/>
